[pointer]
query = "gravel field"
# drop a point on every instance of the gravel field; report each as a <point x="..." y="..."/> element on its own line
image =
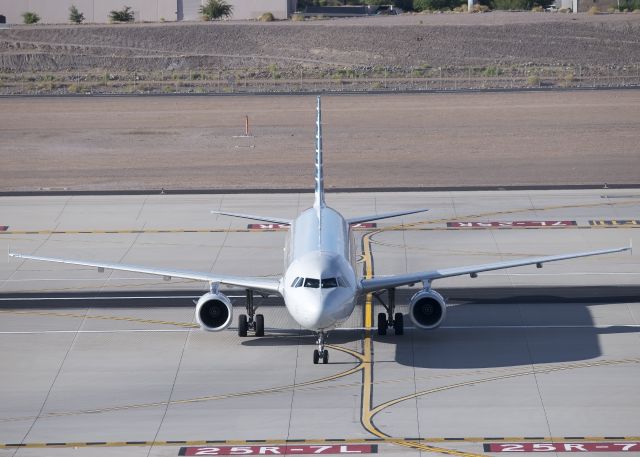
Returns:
<point x="481" y="139"/>
<point x="599" y="44"/>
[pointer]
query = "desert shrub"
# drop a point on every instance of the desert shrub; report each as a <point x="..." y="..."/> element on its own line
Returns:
<point x="533" y="81"/>
<point x="29" y="17"/>
<point x="511" y="4"/>
<point x="216" y="9"/>
<point x="297" y="17"/>
<point x="123" y="15"/>
<point x="423" y="5"/>
<point x="266" y="17"/>
<point x="75" y="16"/>
<point x="630" y="5"/>
<point x="492" y="71"/>
<point x="593" y="10"/>
<point x="537" y="9"/>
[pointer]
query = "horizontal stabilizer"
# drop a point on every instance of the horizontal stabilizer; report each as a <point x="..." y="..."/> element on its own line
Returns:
<point x="274" y="220"/>
<point x="376" y="217"/>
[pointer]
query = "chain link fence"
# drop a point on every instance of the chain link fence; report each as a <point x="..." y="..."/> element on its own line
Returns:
<point x="274" y="80"/>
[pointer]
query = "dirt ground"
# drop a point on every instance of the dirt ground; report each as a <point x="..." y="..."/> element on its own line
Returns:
<point x="527" y="138"/>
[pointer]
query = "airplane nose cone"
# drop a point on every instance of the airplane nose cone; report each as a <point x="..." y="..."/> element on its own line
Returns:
<point x="314" y="312"/>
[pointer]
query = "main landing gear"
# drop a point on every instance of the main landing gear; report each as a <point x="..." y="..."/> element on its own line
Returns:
<point x="391" y="318"/>
<point x="253" y="321"/>
<point x="321" y="352"/>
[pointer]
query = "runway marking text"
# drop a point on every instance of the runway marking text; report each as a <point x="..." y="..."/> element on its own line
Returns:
<point x="282" y="450"/>
<point x="562" y="447"/>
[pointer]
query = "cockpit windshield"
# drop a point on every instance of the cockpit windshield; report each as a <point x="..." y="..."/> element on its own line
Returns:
<point x="314" y="283"/>
<point x="328" y="283"/>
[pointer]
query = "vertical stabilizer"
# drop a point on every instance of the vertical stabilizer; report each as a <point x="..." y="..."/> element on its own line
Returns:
<point x="319" y="192"/>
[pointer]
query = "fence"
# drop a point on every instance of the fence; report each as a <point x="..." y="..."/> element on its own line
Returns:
<point x="272" y="79"/>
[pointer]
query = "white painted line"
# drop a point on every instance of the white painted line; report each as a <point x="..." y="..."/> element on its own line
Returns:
<point x="138" y="297"/>
<point x="42" y="332"/>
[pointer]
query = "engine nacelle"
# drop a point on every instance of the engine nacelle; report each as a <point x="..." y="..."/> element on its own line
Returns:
<point x="214" y="312"/>
<point x="427" y="309"/>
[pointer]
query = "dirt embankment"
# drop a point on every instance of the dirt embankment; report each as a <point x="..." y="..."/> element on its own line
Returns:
<point x="411" y="41"/>
<point x="404" y="46"/>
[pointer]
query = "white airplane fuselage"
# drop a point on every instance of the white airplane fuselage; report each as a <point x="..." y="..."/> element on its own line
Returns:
<point x="319" y="285"/>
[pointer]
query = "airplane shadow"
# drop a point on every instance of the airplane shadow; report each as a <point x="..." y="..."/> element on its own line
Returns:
<point x="284" y="337"/>
<point x="512" y="330"/>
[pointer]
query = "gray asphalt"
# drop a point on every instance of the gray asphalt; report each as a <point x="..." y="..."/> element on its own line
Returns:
<point x="547" y="353"/>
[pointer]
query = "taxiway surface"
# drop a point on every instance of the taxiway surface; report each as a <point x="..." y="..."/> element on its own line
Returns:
<point x="526" y="353"/>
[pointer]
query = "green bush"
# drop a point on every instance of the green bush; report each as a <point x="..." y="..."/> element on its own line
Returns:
<point x="425" y="5"/>
<point x="75" y="16"/>
<point x="266" y="17"/>
<point x="123" y="15"/>
<point x="216" y="9"/>
<point x="29" y="17"/>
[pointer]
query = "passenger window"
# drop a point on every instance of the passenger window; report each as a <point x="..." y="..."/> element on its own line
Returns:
<point x="329" y="283"/>
<point x="312" y="282"/>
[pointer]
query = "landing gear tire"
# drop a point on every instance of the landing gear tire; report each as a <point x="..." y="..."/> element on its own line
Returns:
<point x="382" y="324"/>
<point x="259" y="325"/>
<point x="317" y="356"/>
<point x="243" y="325"/>
<point x="398" y="324"/>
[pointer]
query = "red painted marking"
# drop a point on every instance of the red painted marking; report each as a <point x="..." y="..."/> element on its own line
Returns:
<point x="267" y="226"/>
<point x="365" y="225"/>
<point x="3" y="228"/>
<point x="281" y="450"/>
<point x="458" y="224"/>
<point x="631" y="446"/>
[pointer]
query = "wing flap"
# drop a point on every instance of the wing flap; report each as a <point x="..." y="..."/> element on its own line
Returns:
<point x="371" y="285"/>
<point x="254" y="283"/>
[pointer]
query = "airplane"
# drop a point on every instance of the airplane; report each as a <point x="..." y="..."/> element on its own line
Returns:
<point x="320" y="286"/>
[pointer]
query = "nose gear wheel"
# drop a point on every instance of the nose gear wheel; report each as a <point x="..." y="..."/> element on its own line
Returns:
<point x="321" y="353"/>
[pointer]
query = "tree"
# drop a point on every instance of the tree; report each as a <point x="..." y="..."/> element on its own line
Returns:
<point x="123" y="15"/>
<point x="75" y="16"/>
<point x="29" y="17"/>
<point x="216" y="9"/>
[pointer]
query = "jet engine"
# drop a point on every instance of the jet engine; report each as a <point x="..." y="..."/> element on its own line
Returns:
<point x="427" y="309"/>
<point x="214" y="312"/>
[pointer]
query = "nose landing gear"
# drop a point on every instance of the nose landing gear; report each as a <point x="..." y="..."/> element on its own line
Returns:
<point x="321" y="352"/>
<point x="253" y="321"/>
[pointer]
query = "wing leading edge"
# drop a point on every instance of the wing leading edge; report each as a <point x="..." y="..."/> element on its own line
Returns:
<point x="377" y="217"/>
<point x="274" y="220"/>
<point x="254" y="283"/>
<point x="374" y="284"/>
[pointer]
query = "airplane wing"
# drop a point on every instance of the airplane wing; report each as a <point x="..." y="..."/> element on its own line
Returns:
<point x="274" y="220"/>
<point x="376" y="217"/>
<point x="254" y="283"/>
<point x="374" y="284"/>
